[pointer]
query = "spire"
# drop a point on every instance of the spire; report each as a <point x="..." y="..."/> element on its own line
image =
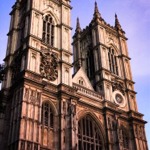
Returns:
<point x="78" y="28"/>
<point x="117" y="23"/>
<point x="96" y="11"/>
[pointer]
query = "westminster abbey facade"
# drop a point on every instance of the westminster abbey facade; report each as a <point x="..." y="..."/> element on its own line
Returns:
<point x="44" y="106"/>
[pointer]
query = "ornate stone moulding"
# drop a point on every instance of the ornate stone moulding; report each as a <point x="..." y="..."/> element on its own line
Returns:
<point x="116" y="85"/>
<point x="49" y="64"/>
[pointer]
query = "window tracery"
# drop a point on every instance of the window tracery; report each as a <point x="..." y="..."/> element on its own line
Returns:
<point x="89" y="135"/>
<point x="113" y="61"/>
<point x="47" y="115"/>
<point x="48" y="30"/>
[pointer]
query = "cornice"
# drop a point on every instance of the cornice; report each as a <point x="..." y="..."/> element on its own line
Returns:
<point x="63" y="62"/>
<point x="65" y="25"/>
<point x="66" y="51"/>
<point x="124" y="56"/>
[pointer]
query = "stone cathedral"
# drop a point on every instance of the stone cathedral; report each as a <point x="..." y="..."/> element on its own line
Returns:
<point x="44" y="105"/>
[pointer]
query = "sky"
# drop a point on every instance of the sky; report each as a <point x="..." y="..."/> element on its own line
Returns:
<point x="134" y="17"/>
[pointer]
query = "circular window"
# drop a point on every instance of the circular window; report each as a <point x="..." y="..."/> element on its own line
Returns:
<point x="119" y="99"/>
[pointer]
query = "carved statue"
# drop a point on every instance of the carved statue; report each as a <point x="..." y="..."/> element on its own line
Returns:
<point x="71" y="108"/>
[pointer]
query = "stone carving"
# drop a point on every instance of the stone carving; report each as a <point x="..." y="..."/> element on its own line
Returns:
<point x="139" y="132"/>
<point x="120" y="134"/>
<point x="50" y="6"/>
<point x="112" y="129"/>
<point x="64" y="107"/>
<point x="32" y="95"/>
<point x="38" y="96"/>
<point x="74" y="123"/>
<point x="136" y="131"/>
<point x="26" y="93"/>
<point x="71" y="109"/>
<point x="111" y="39"/>
<point x="118" y="86"/>
<point x="109" y="124"/>
<point x="48" y="67"/>
<point x="35" y="96"/>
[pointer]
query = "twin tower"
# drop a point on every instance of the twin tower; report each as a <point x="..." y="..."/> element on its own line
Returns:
<point x="46" y="107"/>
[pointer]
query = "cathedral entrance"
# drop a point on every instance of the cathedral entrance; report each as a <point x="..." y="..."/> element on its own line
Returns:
<point x="89" y="135"/>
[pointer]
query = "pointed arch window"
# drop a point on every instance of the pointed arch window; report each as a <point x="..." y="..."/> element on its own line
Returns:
<point x="113" y="61"/>
<point x="48" y="30"/>
<point x="90" y="63"/>
<point x="89" y="135"/>
<point x="47" y="115"/>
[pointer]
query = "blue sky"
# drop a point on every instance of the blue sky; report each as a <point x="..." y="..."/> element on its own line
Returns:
<point x="134" y="16"/>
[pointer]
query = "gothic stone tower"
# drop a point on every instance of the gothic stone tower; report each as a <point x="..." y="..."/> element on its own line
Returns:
<point x="44" y="107"/>
<point x="37" y="77"/>
<point x="101" y="51"/>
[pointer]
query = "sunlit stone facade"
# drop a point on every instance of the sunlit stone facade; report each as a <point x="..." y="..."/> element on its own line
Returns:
<point x="45" y="107"/>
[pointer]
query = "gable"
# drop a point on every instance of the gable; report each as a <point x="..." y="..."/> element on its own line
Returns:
<point x="81" y="78"/>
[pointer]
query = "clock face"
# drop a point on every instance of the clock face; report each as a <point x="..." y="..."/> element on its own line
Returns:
<point x="119" y="99"/>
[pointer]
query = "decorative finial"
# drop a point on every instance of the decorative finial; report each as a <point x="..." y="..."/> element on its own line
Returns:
<point x="116" y="16"/>
<point x="96" y="11"/>
<point x="78" y="28"/>
<point x="117" y="23"/>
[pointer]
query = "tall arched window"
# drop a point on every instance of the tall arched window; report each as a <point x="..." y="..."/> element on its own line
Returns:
<point x="112" y="61"/>
<point x="89" y="136"/>
<point x="47" y="115"/>
<point x="48" y="30"/>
